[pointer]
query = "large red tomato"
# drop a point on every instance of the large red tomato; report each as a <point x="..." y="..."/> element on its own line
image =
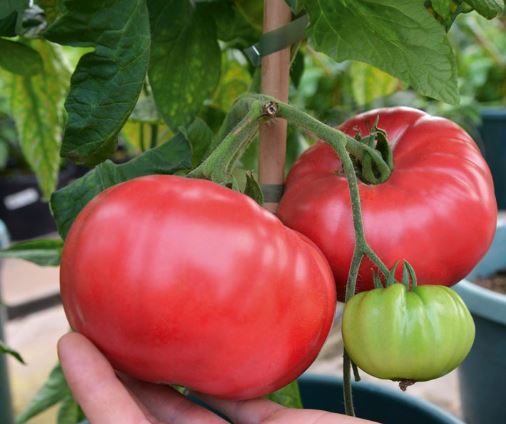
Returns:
<point x="437" y="210"/>
<point x="184" y="281"/>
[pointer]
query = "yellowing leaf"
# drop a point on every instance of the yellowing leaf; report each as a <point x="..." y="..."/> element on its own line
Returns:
<point x="369" y="83"/>
<point x="37" y="107"/>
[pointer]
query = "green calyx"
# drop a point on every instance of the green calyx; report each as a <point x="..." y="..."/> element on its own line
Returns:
<point x="372" y="156"/>
<point x="408" y="277"/>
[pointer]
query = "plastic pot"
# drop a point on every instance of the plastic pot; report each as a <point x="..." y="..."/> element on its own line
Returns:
<point x="493" y="133"/>
<point x="372" y="402"/>
<point x="22" y="208"/>
<point x="482" y="376"/>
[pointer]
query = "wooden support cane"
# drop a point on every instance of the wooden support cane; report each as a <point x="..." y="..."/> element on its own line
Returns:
<point x="275" y="79"/>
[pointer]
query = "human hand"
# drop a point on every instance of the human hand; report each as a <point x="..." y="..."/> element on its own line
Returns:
<point x="107" y="399"/>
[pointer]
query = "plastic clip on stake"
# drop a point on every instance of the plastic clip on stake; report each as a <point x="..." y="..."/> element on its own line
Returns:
<point x="272" y="192"/>
<point x="276" y="40"/>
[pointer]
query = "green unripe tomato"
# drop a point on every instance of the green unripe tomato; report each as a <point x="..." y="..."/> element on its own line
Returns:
<point x="407" y="335"/>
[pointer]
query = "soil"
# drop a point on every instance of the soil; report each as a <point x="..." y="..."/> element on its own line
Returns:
<point x="496" y="282"/>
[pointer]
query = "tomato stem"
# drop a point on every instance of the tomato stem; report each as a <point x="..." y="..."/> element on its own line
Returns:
<point x="347" y="390"/>
<point x="375" y="259"/>
<point x="218" y="166"/>
<point x="340" y="142"/>
<point x="356" y="374"/>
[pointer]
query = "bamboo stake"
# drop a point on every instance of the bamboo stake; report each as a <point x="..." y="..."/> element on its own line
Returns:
<point x="275" y="79"/>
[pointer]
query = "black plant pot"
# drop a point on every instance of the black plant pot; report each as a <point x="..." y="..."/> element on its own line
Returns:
<point x="493" y="133"/>
<point x="373" y="402"/>
<point x="22" y="209"/>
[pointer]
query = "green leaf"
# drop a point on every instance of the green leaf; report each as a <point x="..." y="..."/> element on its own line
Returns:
<point x="8" y="25"/>
<point x="40" y="252"/>
<point x="212" y="116"/>
<point x="10" y="11"/>
<point x="69" y="412"/>
<point x="288" y="396"/>
<point x="36" y="107"/>
<point x="252" y="10"/>
<point x="235" y="80"/>
<point x="200" y="137"/>
<point x="297" y="69"/>
<point x="4" y="154"/>
<point x="19" y="58"/>
<point x="9" y="351"/>
<point x="53" y="9"/>
<point x="66" y="203"/>
<point x="368" y="83"/>
<point x="294" y="5"/>
<point x="487" y="8"/>
<point x="231" y="26"/>
<point x="399" y="37"/>
<point x="185" y="59"/>
<point x="106" y="83"/>
<point x="53" y="391"/>
<point x="442" y="7"/>
<point x="7" y="7"/>
<point x="252" y="189"/>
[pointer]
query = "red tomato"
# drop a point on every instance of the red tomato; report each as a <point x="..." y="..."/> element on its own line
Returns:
<point x="184" y="281"/>
<point x="437" y="210"/>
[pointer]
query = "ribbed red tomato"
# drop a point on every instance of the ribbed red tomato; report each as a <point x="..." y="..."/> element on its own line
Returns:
<point x="184" y="281"/>
<point x="437" y="210"/>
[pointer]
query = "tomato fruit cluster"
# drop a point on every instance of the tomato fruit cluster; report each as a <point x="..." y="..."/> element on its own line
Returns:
<point x="180" y="280"/>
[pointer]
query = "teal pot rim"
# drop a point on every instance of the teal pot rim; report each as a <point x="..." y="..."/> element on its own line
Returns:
<point x="493" y="112"/>
<point x="385" y="392"/>
<point x="483" y="302"/>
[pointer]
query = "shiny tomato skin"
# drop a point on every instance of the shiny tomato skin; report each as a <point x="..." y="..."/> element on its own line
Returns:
<point x="398" y="334"/>
<point x="184" y="281"/>
<point x="437" y="210"/>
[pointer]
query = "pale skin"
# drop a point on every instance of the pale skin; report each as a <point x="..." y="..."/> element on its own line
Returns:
<point x="108" y="399"/>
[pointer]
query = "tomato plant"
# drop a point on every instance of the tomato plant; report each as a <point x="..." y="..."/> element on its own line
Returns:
<point x="407" y="335"/>
<point x="437" y="209"/>
<point x="173" y="69"/>
<point x="200" y="283"/>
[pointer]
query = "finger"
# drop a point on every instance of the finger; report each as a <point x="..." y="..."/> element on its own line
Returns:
<point x="262" y="410"/>
<point x="312" y="416"/>
<point x="94" y="385"/>
<point x="167" y="405"/>
<point x="244" y="412"/>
